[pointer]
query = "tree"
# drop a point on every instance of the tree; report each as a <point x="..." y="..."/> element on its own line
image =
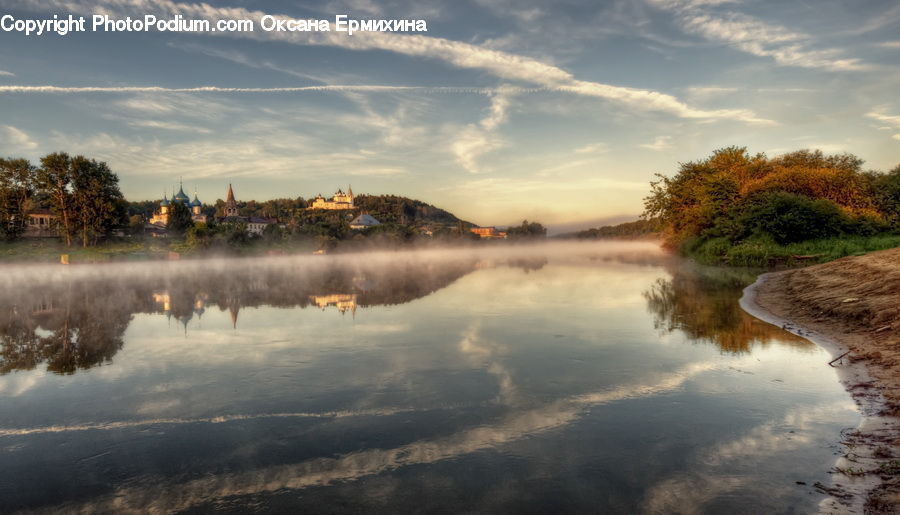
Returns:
<point x="17" y="185"/>
<point x="136" y="224"/>
<point x="527" y="230"/>
<point x="54" y="178"/>
<point x="179" y="218"/>
<point x="97" y="201"/>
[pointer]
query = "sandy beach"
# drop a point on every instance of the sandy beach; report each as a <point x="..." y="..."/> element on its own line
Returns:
<point x="851" y="307"/>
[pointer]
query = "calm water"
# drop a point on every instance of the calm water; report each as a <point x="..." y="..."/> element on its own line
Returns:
<point x="599" y="378"/>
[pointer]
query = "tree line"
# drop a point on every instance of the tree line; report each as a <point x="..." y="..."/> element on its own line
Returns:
<point x="736" y="198"/>
<point x="87" y="205"/>
<point x="83" y="193"/>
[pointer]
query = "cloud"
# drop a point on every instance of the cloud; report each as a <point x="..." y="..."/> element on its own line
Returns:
<point x="757" y="37"/>
<point x="505" y="65"/>
<point x="17" y="138"/>
<point x="593" y="148"/>
<point x="705" y="91"/>
<point x="889" y="44"/>
<point x="4" y="73"/>
<point x="169" y="126"/>
<point x="896" y="137"/>
<point x="659" y="144"/>
<point x="881" y="116"/>
<point x="477" y="139"/>
<point x="216" y="89"/>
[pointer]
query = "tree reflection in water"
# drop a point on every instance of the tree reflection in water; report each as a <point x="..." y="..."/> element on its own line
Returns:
<point x="80" y="323"/>
<point x="702" y="302"/>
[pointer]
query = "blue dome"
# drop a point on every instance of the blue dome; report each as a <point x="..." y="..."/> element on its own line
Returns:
<point x="196" y="202"/>
<point x="165" y="201"/>
<point x="181" y="197"/>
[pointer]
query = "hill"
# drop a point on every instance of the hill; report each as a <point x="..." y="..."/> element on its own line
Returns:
<point x="624" y="230"/>
<point x="402" y="210"/>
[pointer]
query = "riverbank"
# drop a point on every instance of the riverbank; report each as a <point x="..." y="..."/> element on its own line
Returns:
<point x="765" y="253"/>
<point x="852" y="308"/>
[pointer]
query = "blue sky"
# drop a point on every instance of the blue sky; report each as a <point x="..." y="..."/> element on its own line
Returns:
<point x="556" y="111"/>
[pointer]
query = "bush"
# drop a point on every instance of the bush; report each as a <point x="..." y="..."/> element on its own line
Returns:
<point x="790" y="218"/>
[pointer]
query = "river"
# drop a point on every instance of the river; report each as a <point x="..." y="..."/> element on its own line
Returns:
<point x="601" y="377"/>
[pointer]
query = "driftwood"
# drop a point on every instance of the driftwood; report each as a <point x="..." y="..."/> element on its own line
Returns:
<point x="837" y="358"/>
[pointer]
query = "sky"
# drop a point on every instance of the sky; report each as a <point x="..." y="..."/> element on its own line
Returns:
<point x="560" y="112"/>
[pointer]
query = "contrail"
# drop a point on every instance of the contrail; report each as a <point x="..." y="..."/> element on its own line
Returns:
<point x="303" y="89"/>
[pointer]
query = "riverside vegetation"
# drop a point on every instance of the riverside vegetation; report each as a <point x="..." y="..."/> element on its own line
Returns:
<point x="748" y="209"/>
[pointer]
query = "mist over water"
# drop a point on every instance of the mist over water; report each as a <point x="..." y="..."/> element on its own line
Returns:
<point x="558" y="376"/>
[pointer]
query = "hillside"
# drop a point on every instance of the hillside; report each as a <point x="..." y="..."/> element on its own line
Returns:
<point x="624" y="230"/>
<point x="403" y="210"/>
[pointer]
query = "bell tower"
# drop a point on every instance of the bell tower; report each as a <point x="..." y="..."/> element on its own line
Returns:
<point x="230" y="204"/>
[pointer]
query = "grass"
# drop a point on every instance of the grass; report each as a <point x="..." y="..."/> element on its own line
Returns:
<point x="49" y="250"/>
<point x="763" y="252"/>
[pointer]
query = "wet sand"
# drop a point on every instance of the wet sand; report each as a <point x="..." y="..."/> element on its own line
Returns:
<point x="851" y="307"/>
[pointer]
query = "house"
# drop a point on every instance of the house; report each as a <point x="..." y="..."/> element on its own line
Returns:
<point x="41" y="224"/>
<point x="488" y="232"/>
<point x="364" y="221"/>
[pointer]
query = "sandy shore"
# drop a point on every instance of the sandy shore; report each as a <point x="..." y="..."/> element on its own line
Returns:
<point x="851" y="307"/>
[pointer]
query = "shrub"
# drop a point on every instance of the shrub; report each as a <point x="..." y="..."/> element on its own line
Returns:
<point x="789" y="218"/>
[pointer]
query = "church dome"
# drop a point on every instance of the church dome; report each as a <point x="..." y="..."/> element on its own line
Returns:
<point x="165" y="201"/>
<point x="181" y="196"/>
<point x="196" y="202"/>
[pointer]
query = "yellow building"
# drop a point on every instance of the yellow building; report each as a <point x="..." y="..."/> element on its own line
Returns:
<point x="161" y="216"/>
<point x="340" y="200"/>
<point x="342" y="301"/>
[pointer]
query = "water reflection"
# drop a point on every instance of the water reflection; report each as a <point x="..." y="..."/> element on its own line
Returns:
<point x="77" y="323"/>
<point x="461" y="382"/>
<point x="702" y="302"/>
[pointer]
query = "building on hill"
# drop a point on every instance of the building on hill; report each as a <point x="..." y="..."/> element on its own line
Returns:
<point x="255" y="225"/>
<point x="364" y="221"/>
<point x="488" y="232"/>
<point x="161" y="216"/>
<point x="340" y="200"/>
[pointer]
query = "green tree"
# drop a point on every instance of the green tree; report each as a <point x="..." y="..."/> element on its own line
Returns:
<point x="98" y="203"/>
<point x="54" y="179"/>
<point x="136" y="224"/>
<point x="17" y="186"/>
<point x="179" y="218"/>
<point x="528" y="230"/>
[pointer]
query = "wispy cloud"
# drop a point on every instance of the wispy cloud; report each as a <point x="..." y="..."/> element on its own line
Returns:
<point x="593" y="148"/>
<point x="505" y="65"/>
<point x="217" y="89"/>
<point x="881" y="116"/>
<point x="757" y="37"/>
<point x="659" y="144"/>
<point x="477" y="139"/>
<point x="169" y="126"/>
<point x="892" y="120"/>
<point x="707" y="91"/>
<point x="4" y="73"/>
<point x="17" y="139"/>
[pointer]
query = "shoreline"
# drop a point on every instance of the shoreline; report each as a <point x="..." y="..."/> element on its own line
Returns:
<point x="864" y="477"/>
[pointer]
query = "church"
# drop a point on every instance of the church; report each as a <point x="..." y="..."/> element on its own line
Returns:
<point x="161" y="216"/>
<point x="340" y="200"/>
<point x="255" y="225"/>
